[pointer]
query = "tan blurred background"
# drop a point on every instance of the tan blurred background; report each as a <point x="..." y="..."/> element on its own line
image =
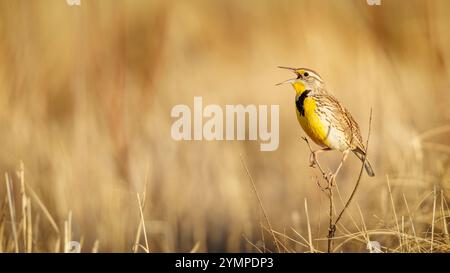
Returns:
<point x="86" y="93"/>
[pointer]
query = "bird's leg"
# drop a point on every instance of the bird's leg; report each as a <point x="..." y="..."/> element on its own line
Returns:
<point x="313" y="156"/>
<point x="333" y="176"/>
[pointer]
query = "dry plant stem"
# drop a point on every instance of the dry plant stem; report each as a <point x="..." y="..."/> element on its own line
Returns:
<point x="43" y="208"/>
<point x="12" y="212"/>
<point x="331" y="226"/>
<point x="360" y="172"/>
<point x="147" y="249"/>
<point x="260" y="204"/>
<point x="329" y="189"/>
<point x="333" y="223"/>
<point x="434" y="215"/>
<point x="444" y="218"/>
<point x="311" y="247"/>
<point x="352" y="195"/>
<point x="139" y="231"/>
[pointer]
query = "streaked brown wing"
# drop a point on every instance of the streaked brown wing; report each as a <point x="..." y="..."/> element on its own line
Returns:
<point x="340" y="118"/>
<point x="357" y="141"/>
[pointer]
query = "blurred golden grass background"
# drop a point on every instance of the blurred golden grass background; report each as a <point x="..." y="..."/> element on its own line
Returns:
<point x="85" y="99"/>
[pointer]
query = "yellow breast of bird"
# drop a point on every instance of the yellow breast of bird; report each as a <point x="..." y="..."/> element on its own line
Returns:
<point x="315" y="127"/>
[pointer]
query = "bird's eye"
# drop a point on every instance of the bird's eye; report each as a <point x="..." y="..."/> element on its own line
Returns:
<point x="306" y="74"/>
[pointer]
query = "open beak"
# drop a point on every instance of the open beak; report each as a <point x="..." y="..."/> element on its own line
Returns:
<point x="290" y="80"/>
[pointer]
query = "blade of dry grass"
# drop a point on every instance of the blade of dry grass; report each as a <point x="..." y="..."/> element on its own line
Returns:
<point x="139" y="230"/>
<point x="348" y="237"/>
<point x="2" y="235"/>
<point x="284" y="247"/>
<point x="24" y="203"/>
<point x="434" y="132"/>
<point x="432" y="221"/>
<point x="364" y="229"/>
<point x="146" y="248"/>
<point x="195" y="248"/>
<point x="252" y="244"/>
<point x="260" y="204"/>
<point x="95" y="246"/>
<point x="306" y="242"/>
<point x="12" y="212"/>
<point x="348" y="213"/>
<point x="411" y="222"/>
<point x="444" y="218"/>
<point x="43" y="208"/>
<point x="29" y="231"/>
<point x="311" y="246"/>
<point x="393" y="209"/>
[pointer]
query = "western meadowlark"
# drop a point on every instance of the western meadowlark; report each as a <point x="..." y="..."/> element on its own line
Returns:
<point x="324" y="119"/>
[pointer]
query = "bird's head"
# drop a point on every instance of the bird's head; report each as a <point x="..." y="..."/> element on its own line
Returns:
<point x="306" y="79"/>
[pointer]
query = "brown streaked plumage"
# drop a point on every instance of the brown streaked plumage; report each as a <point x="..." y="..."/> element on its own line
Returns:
<point x="324" y="119"/>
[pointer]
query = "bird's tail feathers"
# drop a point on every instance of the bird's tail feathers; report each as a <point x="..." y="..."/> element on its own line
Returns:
<point x="360" y="154"/>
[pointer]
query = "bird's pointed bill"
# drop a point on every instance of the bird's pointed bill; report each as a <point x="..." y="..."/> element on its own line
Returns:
<point x="290" y="80"/>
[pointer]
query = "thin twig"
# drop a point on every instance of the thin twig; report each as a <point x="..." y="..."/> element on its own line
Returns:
<point x="329" y="189"/>
<point x="360" y="172"/>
